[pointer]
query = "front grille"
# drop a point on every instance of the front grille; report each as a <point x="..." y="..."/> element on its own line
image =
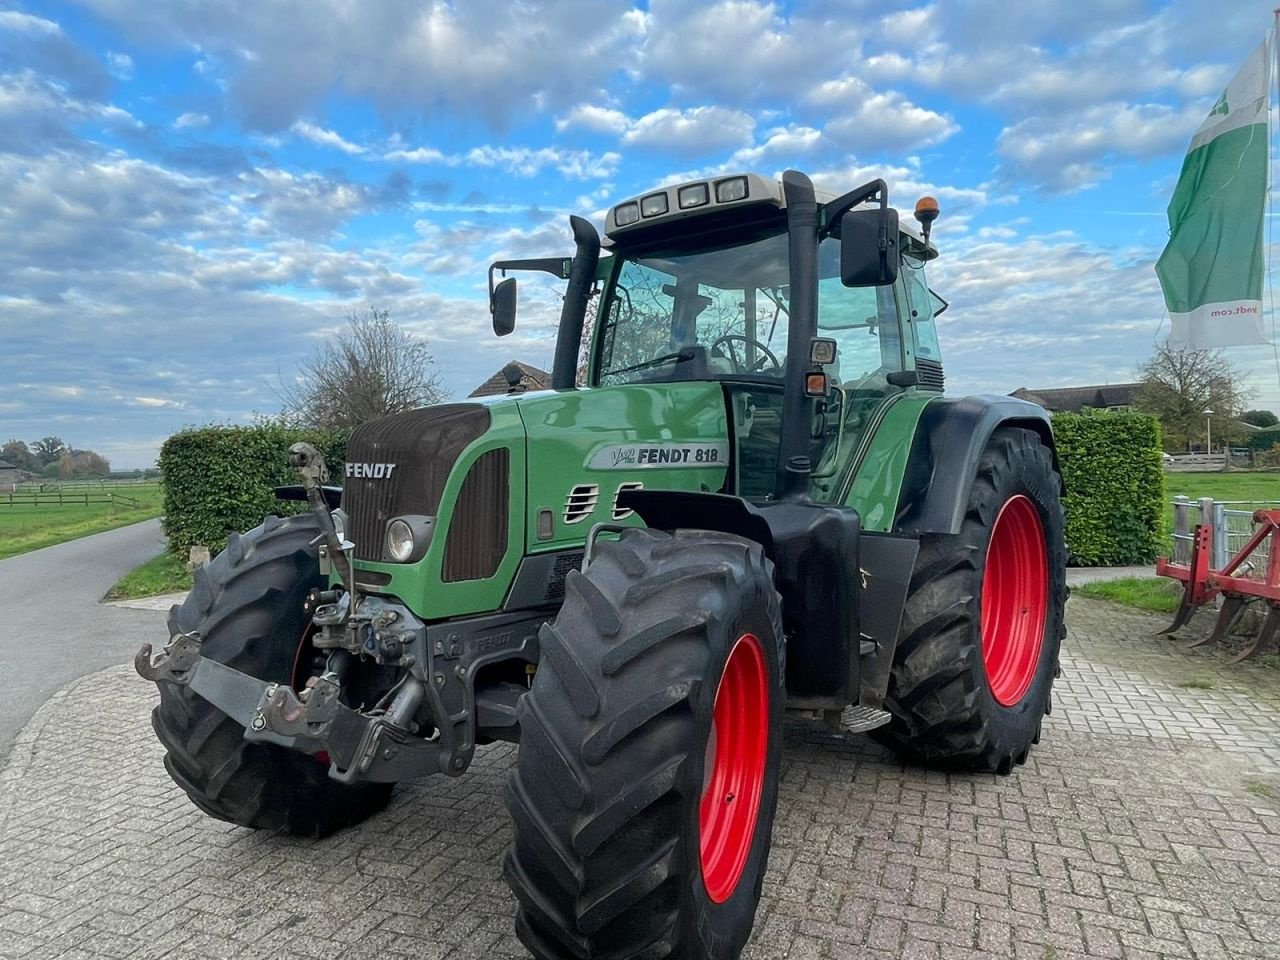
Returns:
<point x="930" y="374"/>
<point x="423" y="445"/>
<point x="478" y="531"/>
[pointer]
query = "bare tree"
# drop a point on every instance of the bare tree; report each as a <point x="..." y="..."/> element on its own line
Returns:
<point x="1179" y="385"/>
<point x="372" y="369"/>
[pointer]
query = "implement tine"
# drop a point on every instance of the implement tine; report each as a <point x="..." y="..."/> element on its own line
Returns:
<point x="1232" y="607"/>
<point x="1185" y="610"/>
<point x="1270" y="626"/>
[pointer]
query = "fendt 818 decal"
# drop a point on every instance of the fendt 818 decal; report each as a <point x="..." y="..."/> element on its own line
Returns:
<point x="629" y="456"/>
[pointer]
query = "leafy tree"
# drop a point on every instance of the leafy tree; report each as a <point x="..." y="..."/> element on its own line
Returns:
<point x="1260" y="418"/>
<point x="48" y="450"/>
<point x="1179" y="385"/>
<point x="20" y="455"/>
<point x="370" y="370"/>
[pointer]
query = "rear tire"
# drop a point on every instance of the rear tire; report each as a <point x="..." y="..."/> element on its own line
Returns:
<point x="628" y="845"/>
<point x="969" y="694"/>
<point x="247" y="607"/>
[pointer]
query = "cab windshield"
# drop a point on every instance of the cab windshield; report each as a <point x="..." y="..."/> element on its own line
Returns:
<point x="722" y="313"/>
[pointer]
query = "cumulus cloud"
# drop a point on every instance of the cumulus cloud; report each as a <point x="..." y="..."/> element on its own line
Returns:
<point x="1064" y="154"/>
<point x="521" y="161"/>
<point x="325" y="138"/>
<point x="189" y="121"/>
<point x="700" y="130"/>
<point x="480" y="58"/>
<point x="586" y="116"/>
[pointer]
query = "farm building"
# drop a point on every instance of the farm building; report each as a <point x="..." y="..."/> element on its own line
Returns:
<point x="515" y="377"/>
<point x="9" y="475"/>
<point x="1107" y="396"/>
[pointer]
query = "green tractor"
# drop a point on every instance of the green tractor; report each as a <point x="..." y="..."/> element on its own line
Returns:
<point x="760" y="504"/>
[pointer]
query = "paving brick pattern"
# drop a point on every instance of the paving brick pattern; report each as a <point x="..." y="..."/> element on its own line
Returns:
<point x="1146" y="824"/>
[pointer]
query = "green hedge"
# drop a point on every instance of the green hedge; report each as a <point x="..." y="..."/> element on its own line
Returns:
<point x="1114" y="475"/>
<point x="218" y="480"/>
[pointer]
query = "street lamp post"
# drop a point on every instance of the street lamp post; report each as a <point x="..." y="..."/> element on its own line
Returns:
<point x="1208" y="432"/>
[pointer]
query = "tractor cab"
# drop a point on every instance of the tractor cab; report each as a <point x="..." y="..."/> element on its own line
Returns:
<point x="698" y="282"/>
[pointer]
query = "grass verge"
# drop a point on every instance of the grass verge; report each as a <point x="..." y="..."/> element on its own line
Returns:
<point x="27" y="527"/>
<point x="1157" y="594"/>
<point x="165" y="574"/>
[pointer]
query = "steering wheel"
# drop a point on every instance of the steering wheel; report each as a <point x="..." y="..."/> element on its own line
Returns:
<point x="741" y="366"/>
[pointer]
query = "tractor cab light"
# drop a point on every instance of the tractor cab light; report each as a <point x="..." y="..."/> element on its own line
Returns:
<point x="626" y="214"/>
<point x="694" y="195"/>
<point x="654" y="205"/>
<point x="732" y="189"/>
<point x="815" y="384"/>
<point x="822" y="351"/>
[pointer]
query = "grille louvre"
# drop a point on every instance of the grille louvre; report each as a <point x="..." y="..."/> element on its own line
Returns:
<point x="581" y="502"/>
<point x="424" y="445"/>
<point x="478" y="531"/>
<point x="930" y="374"/>
<point x="621" y="513"/>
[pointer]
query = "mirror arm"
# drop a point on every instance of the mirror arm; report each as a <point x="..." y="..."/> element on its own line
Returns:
<point x="556" y="266"/>
<point x="831" y="212"/>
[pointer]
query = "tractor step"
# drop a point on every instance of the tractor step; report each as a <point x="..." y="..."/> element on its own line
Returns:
<point x="857" y="718"/>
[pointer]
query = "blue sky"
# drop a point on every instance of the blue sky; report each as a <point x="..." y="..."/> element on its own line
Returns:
<point x="193" y="193"/>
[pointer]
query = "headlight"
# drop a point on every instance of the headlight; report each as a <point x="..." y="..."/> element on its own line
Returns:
<point x="340" y="524"/>
<point x="399" y="541"/>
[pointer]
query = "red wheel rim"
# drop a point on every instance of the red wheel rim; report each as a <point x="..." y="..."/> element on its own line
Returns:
<point x="735" y="762"/>
<point x="1015" y="600"/>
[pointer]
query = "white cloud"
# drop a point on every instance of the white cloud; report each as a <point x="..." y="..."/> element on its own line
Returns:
<point x="121" y="65"/>
<point x="586" y="116"/>
<point x="700" y="130"/>
<point x="781" y="146"/>
<point x="1067" y="153"/>
<point x="284" y="60"/>
<point x="189" y="121"/>
<point x="521" y="161"/>
<point x="325" y="138"/>
<point x="873" y="121"/>
<point x="20" y="22"/>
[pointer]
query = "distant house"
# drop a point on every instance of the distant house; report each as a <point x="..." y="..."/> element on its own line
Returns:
<point x="1109" y="396"/>
<point x="515" y="377"/>
<point x="9" y="475"/>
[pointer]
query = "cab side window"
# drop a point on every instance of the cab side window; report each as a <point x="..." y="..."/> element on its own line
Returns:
<point x="920" y="315"/>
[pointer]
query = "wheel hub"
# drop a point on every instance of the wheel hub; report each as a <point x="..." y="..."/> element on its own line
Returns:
<point x="1015" y="600"/>
<point x="736" y="755"/>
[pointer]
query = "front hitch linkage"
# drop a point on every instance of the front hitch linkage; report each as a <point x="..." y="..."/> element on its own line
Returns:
<point x="360" y="747"/>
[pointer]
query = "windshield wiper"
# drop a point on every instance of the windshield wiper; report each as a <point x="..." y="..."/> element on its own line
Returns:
<point x="680" y="356"/>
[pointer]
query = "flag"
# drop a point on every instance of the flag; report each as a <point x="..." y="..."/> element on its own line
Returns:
<point x="1212" y="268"/>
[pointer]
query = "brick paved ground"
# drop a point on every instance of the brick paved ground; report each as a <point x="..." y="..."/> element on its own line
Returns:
<point x="1147" y="824"/>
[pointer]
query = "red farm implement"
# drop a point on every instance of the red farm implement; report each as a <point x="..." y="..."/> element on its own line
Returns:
<point x="1251" y="574"/>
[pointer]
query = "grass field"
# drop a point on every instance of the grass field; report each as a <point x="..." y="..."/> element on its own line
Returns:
<point x="24" y="527"/>
<point x="1158" y="594"/>
<point x="1223" y="486"/>
<point x="165" y="574"/>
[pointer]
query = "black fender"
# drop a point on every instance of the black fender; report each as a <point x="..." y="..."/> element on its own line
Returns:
<point x="948" y="445"/>
<point x="815" y="551"/>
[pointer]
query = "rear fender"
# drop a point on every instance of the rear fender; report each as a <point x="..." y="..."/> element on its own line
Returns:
<point x="950" y="439"/>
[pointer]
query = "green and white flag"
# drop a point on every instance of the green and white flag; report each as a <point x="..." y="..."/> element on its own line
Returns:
<point x="1212" y="269"/>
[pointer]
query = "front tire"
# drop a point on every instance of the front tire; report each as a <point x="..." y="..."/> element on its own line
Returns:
<point x="974" y="669"/>
<point x="644" y="793"/>
<point x="246" y="604"/>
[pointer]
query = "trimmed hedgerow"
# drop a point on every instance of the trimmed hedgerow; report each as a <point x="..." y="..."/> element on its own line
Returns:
<point x="1114" y="476"/>
<point x="219" y="480"/>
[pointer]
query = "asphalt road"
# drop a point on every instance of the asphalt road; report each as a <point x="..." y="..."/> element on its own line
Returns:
<point x="53" y="629"/>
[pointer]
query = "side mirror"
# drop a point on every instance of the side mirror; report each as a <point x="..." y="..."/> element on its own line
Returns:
<point x="503" y="307"/>
<point x="869" y="247"/>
